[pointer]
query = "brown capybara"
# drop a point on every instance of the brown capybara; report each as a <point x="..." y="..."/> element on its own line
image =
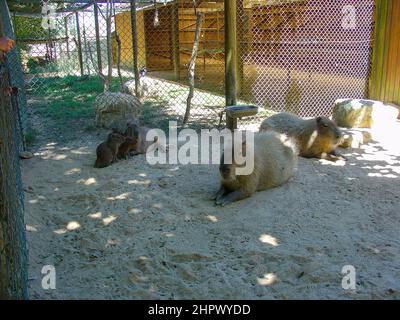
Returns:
<point x="316" y="138"/>
<point x="127" y="146"/>
<point x="107" y="151"/>
<point x="275" y="161"/>
<point x="135" y="131"/>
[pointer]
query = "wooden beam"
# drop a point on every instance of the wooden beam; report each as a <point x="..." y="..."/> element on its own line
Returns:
<point x="230" y="56"/>
<point x="135" y="46"/>
<point x="79" y="43"/>
<point x="175" y="40"/>
<point x="98" y="44"/>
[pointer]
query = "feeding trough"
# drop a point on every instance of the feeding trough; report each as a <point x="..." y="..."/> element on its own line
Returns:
<point x="237" y="112"/>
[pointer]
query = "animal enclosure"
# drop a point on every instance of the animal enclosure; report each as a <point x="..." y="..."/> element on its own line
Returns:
<point x="292" y="56"/>
<point x="137" y="230"/>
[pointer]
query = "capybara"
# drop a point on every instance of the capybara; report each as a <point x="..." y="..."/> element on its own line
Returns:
<point x="275" y="160"/>
<point x="127" y="146"/>
<point x="107" y="151"/>
<point x="139" y="133"/>
<point x="316" y="138"/>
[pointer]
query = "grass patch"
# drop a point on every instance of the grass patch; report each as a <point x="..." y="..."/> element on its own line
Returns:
<point x="71" y="97"/>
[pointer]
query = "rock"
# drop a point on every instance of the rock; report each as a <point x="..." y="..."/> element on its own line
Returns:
<point x="114" y="110"/>
<point x="26" y="155"/>
<point x="353" y="113"/>
<point x="147" y="87"/>
<point x="354" y="138"/>
<point x="397" y="107"/>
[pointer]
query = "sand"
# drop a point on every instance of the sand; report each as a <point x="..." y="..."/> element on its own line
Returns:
<point x="135" y="231"/>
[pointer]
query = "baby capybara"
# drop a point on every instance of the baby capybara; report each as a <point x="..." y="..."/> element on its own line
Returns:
<point x="316" y="138"/>
<point x="138" y="133"/>
<point x="127" y="146"/>
<point x="107" y="151"/>
<point x="275" y="160"/>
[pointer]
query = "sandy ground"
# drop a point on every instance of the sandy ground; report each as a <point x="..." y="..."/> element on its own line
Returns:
<point x="133" y="231"/>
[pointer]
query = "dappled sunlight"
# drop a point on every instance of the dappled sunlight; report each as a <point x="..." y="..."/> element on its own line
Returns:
<point x="267" y="280"/>
<point x="81" y="151"/>
<point x="60" y="231"/>
<point x="168" y="234"/>
<point x="72" y="171"/>
<point x="87" y="182"/>
<point x="56" y="157"/>
<point x="380" y="175"/>
<point x="112" y="243"/>
<point x="265" y="238"/>
<point x="157" y="205"/>
<point x="122" y="196"/>
<point x="339" y="163"/>
<point x="96" y="215"/>
<point x="139" y="182"/>
<point x="73" y="225"/>
<point x="31" y="228"/>
<point x="212" y="218"/>
<point x="135" y="210"/>
<point x="109" y="219"/>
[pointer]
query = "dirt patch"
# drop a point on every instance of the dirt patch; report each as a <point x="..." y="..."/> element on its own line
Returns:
<point x="135" y="231"/>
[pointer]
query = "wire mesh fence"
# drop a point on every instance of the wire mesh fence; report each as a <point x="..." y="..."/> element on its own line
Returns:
<point x="296" y="56"/>
<point x="13" y="255"/>
<point x="300" y="56"/>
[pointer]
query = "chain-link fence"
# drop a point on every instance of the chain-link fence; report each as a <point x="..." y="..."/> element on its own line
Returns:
<point x="13" y="255"/>
<point x="300" y="56"/>
<point x="294" y="55"/>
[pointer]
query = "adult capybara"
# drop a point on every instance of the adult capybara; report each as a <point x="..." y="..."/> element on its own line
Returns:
<point x="275" y="160"/>
<point x="316" y="138"/>
<point x="107" y="151"/>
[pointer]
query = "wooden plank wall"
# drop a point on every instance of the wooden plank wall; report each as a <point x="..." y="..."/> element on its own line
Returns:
<point x="385" y="72"/>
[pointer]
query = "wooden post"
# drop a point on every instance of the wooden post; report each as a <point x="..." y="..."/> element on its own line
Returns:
<point x="175" y="40"/>
<point x="135" y="46"/>
<point x="98" y="45"/>
<point x="78" y="31"/>
<point x="242" y="28"/>
<point x="66" y="35"/>
<point x="231" y="68"/>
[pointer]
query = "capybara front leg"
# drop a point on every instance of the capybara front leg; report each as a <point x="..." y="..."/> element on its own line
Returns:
<point x="332" y="156"/>
<point x="231" y="197"/>
<point x="219" y="193"/>
<point x="338" y="155"/>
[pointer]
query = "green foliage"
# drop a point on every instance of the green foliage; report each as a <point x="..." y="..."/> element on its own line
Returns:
<point x="29" y="28"/>
<point x="71" y="97"/>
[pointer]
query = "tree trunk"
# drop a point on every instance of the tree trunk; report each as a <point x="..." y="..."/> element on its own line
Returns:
<point x="13" y="253"/>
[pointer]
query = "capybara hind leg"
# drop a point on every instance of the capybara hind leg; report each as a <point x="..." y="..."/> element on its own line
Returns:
<point x="231" y="197"/>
